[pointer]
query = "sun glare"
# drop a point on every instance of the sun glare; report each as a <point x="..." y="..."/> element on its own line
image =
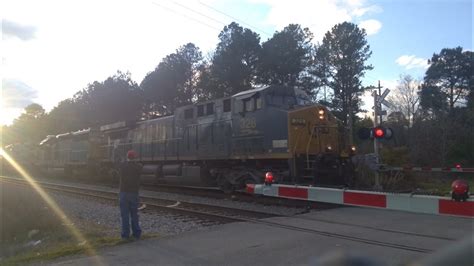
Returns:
<point x="2" y="112"/>
<point x="54" y="206"/>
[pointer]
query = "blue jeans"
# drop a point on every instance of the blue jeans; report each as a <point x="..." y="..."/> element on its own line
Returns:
<point x="129" y="209"/>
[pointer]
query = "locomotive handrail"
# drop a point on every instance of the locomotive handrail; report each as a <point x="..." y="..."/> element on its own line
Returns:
<point x="139" y="142"/>
<point x="318" y="126"/>
<point x="296" y="140"/>
<point x="307" y="146"/>
<point x="204" y="123"/>
<point x="249" y="137"/>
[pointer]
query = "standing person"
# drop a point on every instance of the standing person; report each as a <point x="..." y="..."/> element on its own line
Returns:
<point x="129" y="184"/>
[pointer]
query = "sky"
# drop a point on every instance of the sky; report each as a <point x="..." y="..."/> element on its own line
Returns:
<point x="51" y="49"/>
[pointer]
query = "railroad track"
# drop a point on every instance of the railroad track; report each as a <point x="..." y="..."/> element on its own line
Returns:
<point x="208" y="213"/>
<point x="216" y="193"/>
<point x="220" y="215"/>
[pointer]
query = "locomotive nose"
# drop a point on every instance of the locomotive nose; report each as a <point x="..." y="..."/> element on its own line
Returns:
<point x="312" y="130"/>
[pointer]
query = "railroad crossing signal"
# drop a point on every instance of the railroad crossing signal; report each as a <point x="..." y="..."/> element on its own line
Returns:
<point x="375" y="133"/>
<point x="378" y="131"/>
<point x="382" y="97"/>
<point x="380" y="100"/>
<point x="382" y="132"/>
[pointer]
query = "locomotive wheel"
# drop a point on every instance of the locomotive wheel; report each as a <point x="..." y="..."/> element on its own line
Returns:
<point x="252" y="177"/>
<point x="206" y="178"/>
<point x="348" y="171"/>
<point x="246" y="181"/>
<point x="328" y="170"/>
<point x="159" y="172"/>
<point x="225" y="185"/>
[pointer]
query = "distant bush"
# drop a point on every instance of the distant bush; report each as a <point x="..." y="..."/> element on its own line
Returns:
<point x="395" y="156"/>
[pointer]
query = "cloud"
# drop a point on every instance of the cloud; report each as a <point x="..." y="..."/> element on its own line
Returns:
<point x="359" y="12"/>
<point x="12" y="29"/>
<point x="411" y="61"/>
<point x="16" y="94"/>
<point x="319" y="16"/>
<point x="371" y="26"/>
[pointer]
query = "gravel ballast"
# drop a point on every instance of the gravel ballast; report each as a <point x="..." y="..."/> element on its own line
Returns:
<point x="85" y="211"/>
<point x="104" y="214"/>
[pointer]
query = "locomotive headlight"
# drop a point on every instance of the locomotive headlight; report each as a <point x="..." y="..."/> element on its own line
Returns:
<point x="321" y="114"/>
<point x="328" y="148"/>
<point x="353" y="150"/>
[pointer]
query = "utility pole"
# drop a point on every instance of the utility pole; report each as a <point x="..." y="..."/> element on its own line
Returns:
<point x="380" y="106"/>
<point x="379" y="99"/>
<point x="351" y="124"/>
<point x="376" y="147"/>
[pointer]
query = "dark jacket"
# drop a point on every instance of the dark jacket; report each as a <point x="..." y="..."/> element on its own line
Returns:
<point x="130" y="177"/>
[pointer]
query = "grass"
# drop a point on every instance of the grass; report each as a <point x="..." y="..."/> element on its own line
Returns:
<point x="60" y="249"/>
<point x="436" y="183"/>
<point x="22" y="212"/>
<point x="441" y="186"/>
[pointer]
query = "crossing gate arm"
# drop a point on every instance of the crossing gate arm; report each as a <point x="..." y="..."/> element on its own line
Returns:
<point x="391" y="201"/>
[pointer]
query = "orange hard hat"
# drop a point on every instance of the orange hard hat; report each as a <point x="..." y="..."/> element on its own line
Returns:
<point x="131" y="154"/>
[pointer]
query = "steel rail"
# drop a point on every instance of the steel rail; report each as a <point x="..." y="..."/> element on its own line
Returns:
<point x="183" y="208"/>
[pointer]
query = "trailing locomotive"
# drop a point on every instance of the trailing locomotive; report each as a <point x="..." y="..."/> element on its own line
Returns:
<point x="229" y="142"/>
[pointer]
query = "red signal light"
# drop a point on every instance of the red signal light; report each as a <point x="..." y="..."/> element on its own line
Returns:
<point x="382" y="133"/>
<point x="458" y="166"/>
<point x="459" y="190"/>
<point x="379" y="132"/>
<point x="268" y="178"/>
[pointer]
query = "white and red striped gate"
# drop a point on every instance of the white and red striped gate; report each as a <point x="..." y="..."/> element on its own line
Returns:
<point x="392" y="201"/>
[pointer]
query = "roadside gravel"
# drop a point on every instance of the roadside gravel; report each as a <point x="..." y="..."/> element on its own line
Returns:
<point x="84" y="212"/>
<point x="105" y="215"/>
<point x="271" y="209"/>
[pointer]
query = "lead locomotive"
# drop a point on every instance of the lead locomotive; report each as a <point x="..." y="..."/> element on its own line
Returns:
<point x="229" y="142"/>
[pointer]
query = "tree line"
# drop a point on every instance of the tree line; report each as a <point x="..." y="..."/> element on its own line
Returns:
<point x="241" y="61"/>
<point x="433" y="116"/>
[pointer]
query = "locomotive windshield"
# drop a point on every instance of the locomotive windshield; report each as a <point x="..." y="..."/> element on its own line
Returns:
<point x="286" y="98"/>
<point x="302" y="97"/>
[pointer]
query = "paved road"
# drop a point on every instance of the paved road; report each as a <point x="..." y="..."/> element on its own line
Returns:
<point x="259" y="244"/>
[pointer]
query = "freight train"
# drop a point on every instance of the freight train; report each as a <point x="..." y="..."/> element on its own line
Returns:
<point x="228" y="142"/>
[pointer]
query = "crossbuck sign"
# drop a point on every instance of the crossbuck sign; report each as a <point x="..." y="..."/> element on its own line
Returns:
<point x="381" y="99"/>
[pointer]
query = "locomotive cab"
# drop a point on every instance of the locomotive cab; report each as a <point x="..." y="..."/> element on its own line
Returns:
<point x="286" y="133"/>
